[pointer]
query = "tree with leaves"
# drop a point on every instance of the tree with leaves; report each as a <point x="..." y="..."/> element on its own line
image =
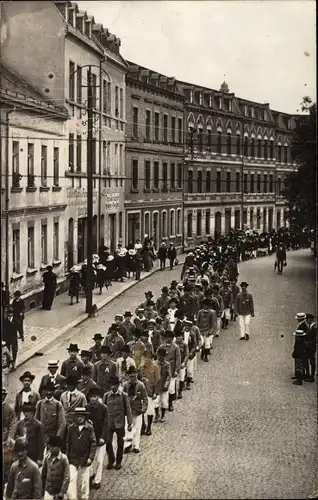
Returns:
<point x="300" y="186"/>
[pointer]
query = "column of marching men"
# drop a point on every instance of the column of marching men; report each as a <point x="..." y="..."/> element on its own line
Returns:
<point x="129" y="379"/>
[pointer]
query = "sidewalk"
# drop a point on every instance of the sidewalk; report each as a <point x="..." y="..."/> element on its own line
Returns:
<point x="48" y="326"/>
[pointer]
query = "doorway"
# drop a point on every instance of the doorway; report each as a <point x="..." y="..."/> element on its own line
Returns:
<point x="133" y="227"/>
<point x="112" y="231"/>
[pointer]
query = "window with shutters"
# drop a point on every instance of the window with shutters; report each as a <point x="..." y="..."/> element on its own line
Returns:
<point x="218" y="182"/>
<point x="135" y="174"/>
<point x="16" y="250"/>
<point x="237" y="182"/>
<point x="228" y="182"/>
<point x="147" y="174"/>
<point x="156" y="175"/>
<point x="208" y="182"/>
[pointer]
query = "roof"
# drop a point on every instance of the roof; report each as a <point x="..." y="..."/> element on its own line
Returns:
<point x="14" y="90"/>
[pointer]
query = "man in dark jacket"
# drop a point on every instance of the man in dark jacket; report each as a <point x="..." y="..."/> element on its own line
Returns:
<point x="138" y="399"/>
<point x="104" y="369"/>
<point x="50" y="283"/>
<point x="310" y="349"/>
<point x="172" y="255"/>
<point x="33" y="430"/>
<point x="280" y="258"/>
<point x="162" y="256"/>
<point x="10" y="334"/>
<point x="98" y="416"/>
<point x="18" y="308"/>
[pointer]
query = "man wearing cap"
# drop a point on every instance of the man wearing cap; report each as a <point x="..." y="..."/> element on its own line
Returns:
<point x="298" y="354"/>
<point x="51" y="414"/>
<point x="162" y="401"/>
<point x="55" y="471"/>
<point x="244" y="308"/>
<point x="72" y="398"/>
<point x="96" y="349"/>
<point x="80" y="451"/>
<point x="174" y="358"/>
<point x="26" y="395"/>
<point x="54" y="378"/>
<point x="98" y="416"/>
<point x="118" y="406"/>
<point x="149" y="374"/>
<point x="310" y="348"/>
<point x="124" y="363"/>
<point x="24" y="480"/>
<point x="130" y="327"/>
<point x="227" y="297"/>
<point x="86" y="382"/>
<point x="138" y="399"/>
<point x="104" y="369"/>
<point x="72" y="366"/>
<point x="114" y="341"/>
<point x="9" y="420"/>
<point x="32" y="430"/>
<point x="207" y="324"/>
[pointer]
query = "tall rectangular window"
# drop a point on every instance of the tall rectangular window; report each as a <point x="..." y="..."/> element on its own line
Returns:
<point x="199" y="181"/>
<point x="31" y="247"/>
<point x="148" y="124"/>
<point x="208" y="182"/>
<point x="199" y="223"/>
<point x="165" y="176"/>
<point x="157" y="127"/>
<point x="228" y="182"/>
<point x="71" y="84"/>
<point x="44" y="243"/>
<point x="135" y="122"/>
<point x="252" y="183"/>
<point x="116" y="101"/>
<point x="265" y="149"/>
<point x="209" y="139"/>
<point x="30" y="159"/>
<point x="15" y="164"/>
<point x="43" y="165"/>
<point x="179" y="176"/>
<point x="219" y="143"/>
<point x="105" y="96"/>
<point x="208" y="222"/>
<point x="135" y="174"/>
<point x="238" y="145"/>
<point x="189" y="225"/>
<point x="265" y="183"/>
<point x="94" y="90"/>
<point x="79" y="84"/>
<point x="271" y="150"/>
<point x="173" y="175"/>
<point x="109" y="98"/>
<point x="56" y="229"/>
<point x="200" y="139"/>
<point x="259" y="148"/>
<point x="78" y="153"/>
<point x="179" y="221"/>
<point x="229" y="144"/>
<point x="285" y="154"/>
<point x="172" y="224"/>
<point x="237" y="182"/>
<point x="218" y="182"/>
<point x="279" y="186"/>
<point x="180" y="125"/>
<point x="252" y="147"/>
<point x="279" y="153"/>
<point x="156" y="174"/>
<point x="245" y="183"/>
<point x="190" y="181"/>
<point x="147" y="174"/>
<point x="56" y="166"/>
<point x="245" y="146"/>
<point x="165" y="128"/>
<point x="271" y="184"/>
<point x="173" y="129"/>
<point x="120" y="225"/>
<point x="121" y="105"/>
<point x="71" y="152"/>
<point x="258" y="183"/>
<point x="258" y="218"/>
<point x="16" y="250"/>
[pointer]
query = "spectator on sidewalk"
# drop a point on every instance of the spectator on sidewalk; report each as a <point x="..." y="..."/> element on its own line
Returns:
<point x="73" y="365"/>
<point x="10" y="334"/>
<point x="26" y="395"/>
<point x="75" y="285"/>
<point x="172" y="255"/>
<point x="18" y="308"/>
<point x="24" y="477"/>
<point x="50" y="283"/>
<point x="55" y="471"/>
<point x="50" y="412"/>
<point x="7" y="362"/>
<point x="162" y="256"/>
<point x="54" y="378"/>
<point x="118" y="406"/>
<point x="30" y="428"/>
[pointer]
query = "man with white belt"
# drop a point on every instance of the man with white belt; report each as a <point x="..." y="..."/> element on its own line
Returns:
<point x="244" y="307"/>
<point x="184" y="356"/>
<point x="138" y="398"/>
<point x="173" y="357"/>
<point x="207" y="324"/>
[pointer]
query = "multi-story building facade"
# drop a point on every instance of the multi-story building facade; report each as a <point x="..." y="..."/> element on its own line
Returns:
<point x="237" y="153"/>
<point x="72" y="43"/>
<point x="154" y="156"/>
<point x="33" y="199"/>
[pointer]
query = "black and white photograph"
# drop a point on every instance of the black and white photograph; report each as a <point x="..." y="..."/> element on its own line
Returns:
<point x="158" y="249"/>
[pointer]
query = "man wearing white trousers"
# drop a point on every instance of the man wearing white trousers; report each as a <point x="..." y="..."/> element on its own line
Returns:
<point x="244" y="308"/>
<point x="98" y="416"/>
<point x="138" y="398"/>
<point x="150" y="375"/>
<point x="182" y="343"/>
<point x="80" y="451"/>
<point x="174" y="358"/>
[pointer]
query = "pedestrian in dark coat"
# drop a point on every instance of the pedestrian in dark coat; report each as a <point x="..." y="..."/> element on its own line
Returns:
<point x="96" y="349"/>
<point x="18" y="308"/>
<point x="24" y="480"/>
<point x="74" y="286"/>
<point x="55" y="471"/>
<point x="104" y="369"/>
<point x="54" y="378"/>
<point x="280" y="258"/>
<point x="138" y="264"/>
<point x="10" y="334"/>
<point x="310" y="349"/>
<point x="51" y="414"/>
<point x="50" y="282"/>
<point x="73" y="365"/>
<point x="172" y="255"/>
<point x="33" y="430"/>
<point x="162" y="256"/>
<point x="26" y="395"/>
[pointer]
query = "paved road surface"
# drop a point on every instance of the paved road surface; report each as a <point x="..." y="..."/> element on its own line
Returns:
<point x="244" y="431"/>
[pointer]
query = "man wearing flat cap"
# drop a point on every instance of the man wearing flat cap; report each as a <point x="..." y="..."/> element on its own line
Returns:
<point x="80" y="451"/>
<point x="244" y="308"/>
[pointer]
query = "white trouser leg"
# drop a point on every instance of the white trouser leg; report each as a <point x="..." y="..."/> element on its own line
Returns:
<point x="151" y="408"/>
<point x="190" y="367"/>
<point x="195" y="362"/>
<point x="247" y="324"/>
<point x="218" y="325"/>
<point x="172" y="386"/>
<point x="182" y="374"/>
<point x="137" y="423"/>
<point x="162" y="400"/>
<point x="97" y="466"/>
<point x="208" y="342"/>
<point x="242" y="325"/>
<point x="83" y="482"/>
<point x="128" y="435"/>
<point x="72" y="489"/>
<point x="47" y="496"/>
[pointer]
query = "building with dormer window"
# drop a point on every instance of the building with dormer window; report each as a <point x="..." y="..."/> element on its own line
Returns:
<point x="237" y="153"/>
<point x="154" y="157"/>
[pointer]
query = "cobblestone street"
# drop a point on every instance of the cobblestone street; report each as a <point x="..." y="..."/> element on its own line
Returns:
<point x="243" y="431"/>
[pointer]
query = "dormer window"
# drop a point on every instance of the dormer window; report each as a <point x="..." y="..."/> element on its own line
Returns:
<point x="210" y="101"/>
<point x="219" y="102"/>
<point x="200" y="98"/>
<point x="88" y="29"/>
<point x="230" y="106"/>
<point x="191" y="96"/>
<point x="79" y="23"/>
<point x="252" y="112"/>
<point x="71" y="17"/>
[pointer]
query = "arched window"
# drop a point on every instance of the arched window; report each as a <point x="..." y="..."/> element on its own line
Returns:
<point x="199" y="182"/>
<point x="238" y="144"/>
<point x="229" y="143"/>
<point x="172" y="229"/>
<point x="189" y="225"/>
<point x="164" y="224"/>
<point x="178" y="222"/>
<point x="208" y="182"/>
<point x="219" y="142"/>
<point x="147" y="223"/>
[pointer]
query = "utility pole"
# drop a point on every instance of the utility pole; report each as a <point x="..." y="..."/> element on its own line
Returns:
<point x="90" y="158"/>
